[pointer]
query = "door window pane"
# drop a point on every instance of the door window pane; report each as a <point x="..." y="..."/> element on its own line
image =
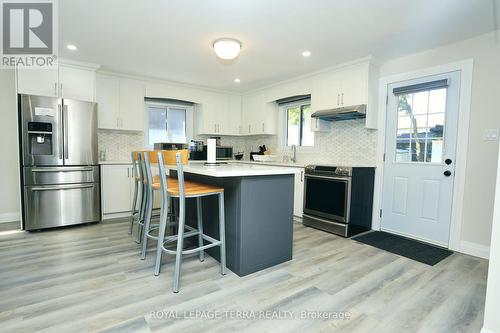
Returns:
<point x="420" y="126"/>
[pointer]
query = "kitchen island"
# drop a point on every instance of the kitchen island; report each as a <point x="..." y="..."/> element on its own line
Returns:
<point x="258" y="203"/>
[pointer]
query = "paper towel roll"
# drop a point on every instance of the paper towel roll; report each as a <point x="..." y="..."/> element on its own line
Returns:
<point x="211" y="151"/>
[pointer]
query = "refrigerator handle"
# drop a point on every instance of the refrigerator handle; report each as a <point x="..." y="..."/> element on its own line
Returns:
<point x="61" y="145"/>
<point x="65" y="121"/>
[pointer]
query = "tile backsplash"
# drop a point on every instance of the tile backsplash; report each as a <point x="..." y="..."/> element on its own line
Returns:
<point x="347" y="143"/>
<point x="119" y="145"/>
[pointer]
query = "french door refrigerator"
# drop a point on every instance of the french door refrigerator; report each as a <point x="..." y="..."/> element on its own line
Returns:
<point x="59" y="162"/>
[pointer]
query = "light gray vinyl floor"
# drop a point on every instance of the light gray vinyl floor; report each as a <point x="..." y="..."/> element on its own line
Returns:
<point x="90" y="278"/>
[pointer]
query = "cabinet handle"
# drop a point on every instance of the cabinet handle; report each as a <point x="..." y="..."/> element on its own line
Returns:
<point x="263" y="130"/>
<point x="249" y="129"/>
<point x="342" y="99"/>
<point x="61" y="90"/>
<point x="338" y="98"/>
<point x="55" y="88"/>
<point x="302" y="176"/>
<point x="128" y="173"/>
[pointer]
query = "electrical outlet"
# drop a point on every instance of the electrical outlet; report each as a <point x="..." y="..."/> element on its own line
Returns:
<point x="490" y="134"/>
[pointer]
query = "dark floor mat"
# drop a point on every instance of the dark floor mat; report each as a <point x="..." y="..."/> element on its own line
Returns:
<point x="409" y="248"/>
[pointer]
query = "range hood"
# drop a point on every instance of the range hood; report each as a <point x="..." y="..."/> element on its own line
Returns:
<point x="343" y="113"/>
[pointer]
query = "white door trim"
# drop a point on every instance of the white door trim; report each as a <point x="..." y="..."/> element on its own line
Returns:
<point x="466" y="68"/>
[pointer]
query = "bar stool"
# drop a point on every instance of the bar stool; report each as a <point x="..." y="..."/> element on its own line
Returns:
<point x="179" y="188"/>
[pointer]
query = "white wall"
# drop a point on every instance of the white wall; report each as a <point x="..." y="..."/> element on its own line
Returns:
<point x="492" y="308"/>
<point x="485" y="114"/>
<point x="9" y="172"/>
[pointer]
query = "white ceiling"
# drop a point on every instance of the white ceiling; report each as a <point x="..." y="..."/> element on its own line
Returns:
<point x="171" y="39"/>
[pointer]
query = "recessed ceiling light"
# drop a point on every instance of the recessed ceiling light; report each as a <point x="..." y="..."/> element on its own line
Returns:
<point x="306" y="53"/>
<point x="237" y="80"/>
<point x="71" y="47"/>
<point x="227" y="48"/>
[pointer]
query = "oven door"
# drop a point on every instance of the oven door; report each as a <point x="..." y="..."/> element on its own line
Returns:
<point x="328" y="197"/>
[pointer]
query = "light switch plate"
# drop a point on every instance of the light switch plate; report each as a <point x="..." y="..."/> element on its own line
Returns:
<point x="490" y="134"/>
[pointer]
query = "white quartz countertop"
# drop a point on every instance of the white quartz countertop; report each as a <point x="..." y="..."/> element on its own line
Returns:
<point x="232" y="169"/>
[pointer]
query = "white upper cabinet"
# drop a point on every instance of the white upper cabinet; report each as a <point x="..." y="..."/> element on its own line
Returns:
<point x="77" y="83"/>
<point x="120" y="103"/>
<point x="218" y="114"/>
<point x="40" y="82"/>
<point x="132" y="105"/>
<point x="108" y="102"/>
<point x="258" y="116"/>
<point x="68" y="81"/>
<point x="347" y="86"/>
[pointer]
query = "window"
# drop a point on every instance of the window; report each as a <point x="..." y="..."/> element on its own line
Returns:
<point x="166" y="123"/>
<point x="298" y="124"/>
<point x="420" y="127"/>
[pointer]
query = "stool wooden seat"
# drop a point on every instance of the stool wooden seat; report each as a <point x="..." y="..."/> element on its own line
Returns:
<point x="192" y="189"/>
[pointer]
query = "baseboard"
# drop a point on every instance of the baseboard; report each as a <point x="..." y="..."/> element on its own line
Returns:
<point x="485" y="330"/>
<point x="474" y="249"/>
<point x="9" y="217"/>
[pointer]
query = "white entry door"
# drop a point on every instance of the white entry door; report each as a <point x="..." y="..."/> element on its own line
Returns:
<point x="420" y="147"/>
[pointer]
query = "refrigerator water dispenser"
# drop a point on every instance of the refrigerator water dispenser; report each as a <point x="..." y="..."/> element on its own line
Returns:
<point x="40" y="138"/>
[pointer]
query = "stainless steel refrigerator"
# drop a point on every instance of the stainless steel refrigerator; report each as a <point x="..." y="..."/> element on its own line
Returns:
<point x="59" y="162"/>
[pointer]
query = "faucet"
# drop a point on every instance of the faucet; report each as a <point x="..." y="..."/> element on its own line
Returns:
<point x="294" y="154"/>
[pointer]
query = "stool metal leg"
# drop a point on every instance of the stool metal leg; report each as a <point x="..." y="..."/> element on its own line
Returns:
<point x="142" y="214"/>
<point x="147" y="222"/>
<point x="180" y="239"/>
<point x="222" y="234"/>
<point x="161" y="233"/>
<point x="134" y="207"/>
<point x="199" y="214"/>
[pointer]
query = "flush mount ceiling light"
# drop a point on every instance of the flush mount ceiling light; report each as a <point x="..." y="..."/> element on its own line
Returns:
<point x="306" y="54"/>
<point x="227" y="48"/>
<point x="71" y="47"/>
<point x="237" y="80"/>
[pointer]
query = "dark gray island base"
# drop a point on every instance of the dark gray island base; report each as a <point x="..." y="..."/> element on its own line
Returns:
<point x="259" y="219"/>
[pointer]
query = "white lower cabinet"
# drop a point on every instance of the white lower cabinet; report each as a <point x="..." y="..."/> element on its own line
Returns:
<point x="298" y="197"/>
<point x="116" y="189"/>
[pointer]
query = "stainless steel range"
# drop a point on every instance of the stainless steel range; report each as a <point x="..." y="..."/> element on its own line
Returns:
<point x="338" y="199"/>
<point x="59" y="171"/>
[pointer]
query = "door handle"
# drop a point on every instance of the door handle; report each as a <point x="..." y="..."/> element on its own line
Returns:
<point x="61" y="132"/>
<point x="64" y="169"/>
<point x="58" y="188"/>
<point x="65" y="122"/>
<point x="447" y="173"/>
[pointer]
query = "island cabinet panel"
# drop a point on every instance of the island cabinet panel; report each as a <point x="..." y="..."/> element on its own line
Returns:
<point x="259" y="220"/>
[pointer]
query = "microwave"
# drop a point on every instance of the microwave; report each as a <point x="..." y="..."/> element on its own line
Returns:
<point x="221" y="153"/>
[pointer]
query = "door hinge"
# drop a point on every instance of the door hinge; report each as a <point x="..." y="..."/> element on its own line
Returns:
<point x="381" y="213"/>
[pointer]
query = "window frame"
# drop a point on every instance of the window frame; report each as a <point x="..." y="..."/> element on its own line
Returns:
<point x="188" y="124"/>
<point x="284" y="136"/>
